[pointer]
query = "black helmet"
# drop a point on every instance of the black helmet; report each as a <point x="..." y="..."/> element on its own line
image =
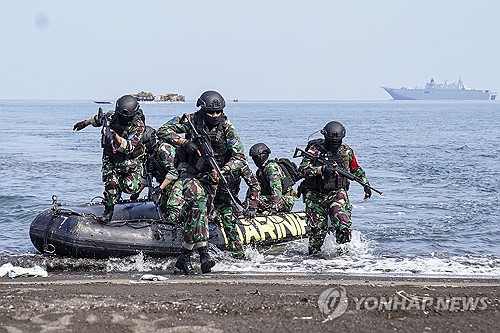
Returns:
<point x="260" y="153"/>
<point x="333" y="131"/>
<point x="126" y="106"/>
<point x="212" y="101"/>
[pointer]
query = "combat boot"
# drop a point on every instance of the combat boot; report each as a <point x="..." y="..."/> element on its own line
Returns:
<point x="107" y="215"/>
<point x="183" y="262"/>
<point x="343" y="236"/>
<point x="314" y="251"/>
<point x="237" y="251"/>
<point x="238" y="255"/>
<point x="205" y="260"/>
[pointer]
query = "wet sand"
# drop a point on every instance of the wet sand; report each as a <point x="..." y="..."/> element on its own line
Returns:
<point x="245" y="303"/>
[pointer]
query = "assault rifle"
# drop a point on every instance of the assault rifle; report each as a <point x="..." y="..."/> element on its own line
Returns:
<point x="108" y="135"/>
<point x="207" y="154"/>
<point x="152" y="194"/>
<point x="323" y="161"/>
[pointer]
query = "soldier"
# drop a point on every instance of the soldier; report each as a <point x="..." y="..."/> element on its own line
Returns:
<point x="277" y="194"/>
<point x="325" y="191"/>
<point x="225" y="211"/>
<point x="199" y="179"/>
<point x="159" y="164"/>
<point x="122" y="166"/>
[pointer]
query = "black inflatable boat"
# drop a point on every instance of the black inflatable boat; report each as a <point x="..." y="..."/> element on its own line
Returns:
<point x="74" y="231"/>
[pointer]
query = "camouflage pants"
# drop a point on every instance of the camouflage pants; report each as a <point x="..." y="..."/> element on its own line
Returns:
<point x="171" y="202"/>
<point x="224" y="215"/>
<point x="121" y="177"/>
<point x="198" y="198"/>
<point x="319" y="207"/>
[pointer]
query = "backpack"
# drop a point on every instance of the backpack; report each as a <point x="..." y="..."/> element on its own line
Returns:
<point x="290" y="170"/>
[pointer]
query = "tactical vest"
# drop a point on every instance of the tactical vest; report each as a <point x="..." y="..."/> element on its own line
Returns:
<point x="123" y="130"/>
<point x="323" y="184"/>
<point x="222" y="156"/>
<point x="217" y="139"/>
<point x="157" y="168"/>
<point x="265" y="185"/>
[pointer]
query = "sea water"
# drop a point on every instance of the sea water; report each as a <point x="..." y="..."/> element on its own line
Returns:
<point x="437" y="163"/>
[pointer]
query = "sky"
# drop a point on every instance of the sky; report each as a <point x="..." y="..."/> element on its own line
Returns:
<point x="246" y="50"/>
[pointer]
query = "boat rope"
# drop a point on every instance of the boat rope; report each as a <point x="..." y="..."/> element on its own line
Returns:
<point x="58" y="211"/>
<point x="119" y="223"/>
<point x="136" y="224"/>
<point x="50" y="248"/>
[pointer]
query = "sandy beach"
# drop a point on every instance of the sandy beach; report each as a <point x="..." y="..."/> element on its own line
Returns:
<point x="247" y="303"/>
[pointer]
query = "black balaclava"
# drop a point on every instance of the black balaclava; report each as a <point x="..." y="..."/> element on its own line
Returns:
<point x="260" y="159"/>
<point x="124" y="119"/>
<point x="211" y="121"/>
<point x="333" y="145"/>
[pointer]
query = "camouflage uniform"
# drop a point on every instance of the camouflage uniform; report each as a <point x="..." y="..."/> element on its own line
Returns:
<point x="163" y="168"/>
<point x="274" y="198"/>
<point x="199" y="187"/>
<point x="123" y="175"/>
<point x="225" y="213"/>
<point x="322" y="204"/>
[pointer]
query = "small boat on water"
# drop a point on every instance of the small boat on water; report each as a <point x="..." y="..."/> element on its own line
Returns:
<point x="103" y="102"/>
<point x="74" y="231"/>
<point x="440" y="91"/>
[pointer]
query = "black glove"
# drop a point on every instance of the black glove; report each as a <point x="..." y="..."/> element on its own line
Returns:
<point x="328" y="171"/>
<point x="190" y="147"/>
<point x="368" y="192"/>
<point x="80" y="125"/>
<point x="250" y="213"/>
<point x="157" y="190"/>
<point x="155" y="193"/>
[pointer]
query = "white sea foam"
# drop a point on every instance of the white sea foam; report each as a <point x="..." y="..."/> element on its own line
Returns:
<point x="357" y="257"/>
